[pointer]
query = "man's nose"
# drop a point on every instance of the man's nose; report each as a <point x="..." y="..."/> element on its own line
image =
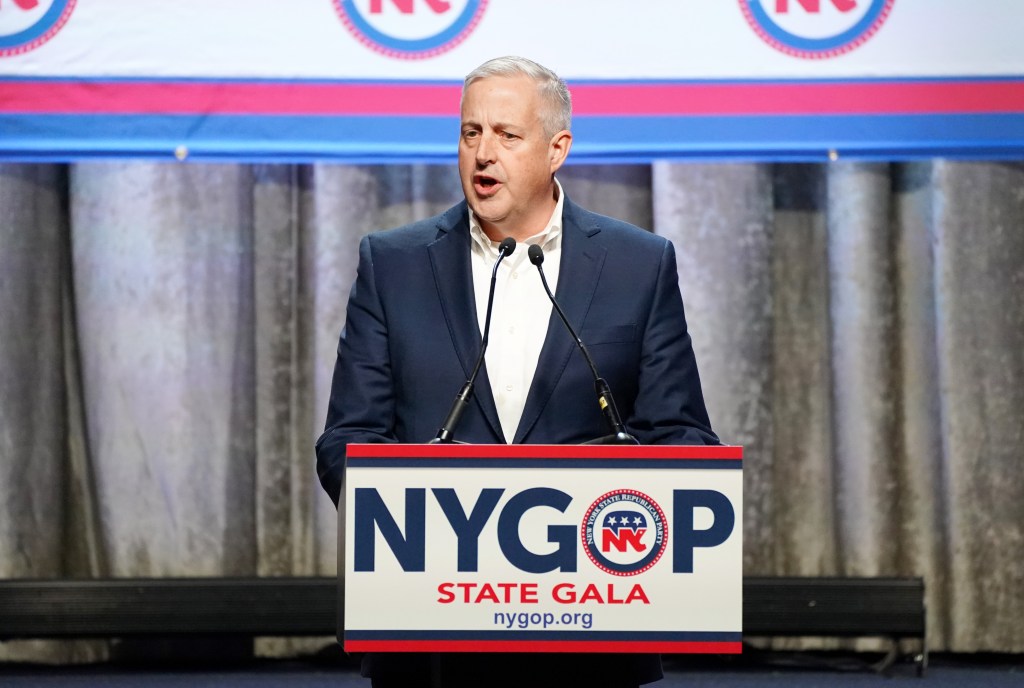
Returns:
<point x="485" y="151"/>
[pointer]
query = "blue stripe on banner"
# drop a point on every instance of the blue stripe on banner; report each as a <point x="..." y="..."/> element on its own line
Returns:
<point x="804" y="137"/>
<point x="433" y="139"/>
<point x="383" y="81"/>
<point x="671" y="636"/>
<point x="547" y="463"/>
<point x="217" y="137"/>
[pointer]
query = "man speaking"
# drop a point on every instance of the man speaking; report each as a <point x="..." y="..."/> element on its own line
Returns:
<point x="419" y="306"/>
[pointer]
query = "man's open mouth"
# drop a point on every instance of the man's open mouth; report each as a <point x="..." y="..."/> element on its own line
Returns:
<point x="485" y="183"/>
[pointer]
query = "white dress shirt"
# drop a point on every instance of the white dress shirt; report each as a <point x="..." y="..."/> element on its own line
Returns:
<point x="519" y="316"/>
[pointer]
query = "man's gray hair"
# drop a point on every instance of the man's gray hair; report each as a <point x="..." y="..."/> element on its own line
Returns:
<point x="558" y="113"/>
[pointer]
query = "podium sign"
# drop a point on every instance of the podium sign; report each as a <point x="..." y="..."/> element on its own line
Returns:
<point x="539" y="548"/>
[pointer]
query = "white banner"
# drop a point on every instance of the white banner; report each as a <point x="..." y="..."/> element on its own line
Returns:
<point x="444" y="39"/>
<point x="379" y="80"/>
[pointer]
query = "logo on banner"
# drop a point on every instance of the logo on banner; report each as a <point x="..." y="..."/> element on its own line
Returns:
<point x="624" y="532"/>
<point x="816" y="29"/>
<point x="411" y="29"/>
<point x="27" y="24"/>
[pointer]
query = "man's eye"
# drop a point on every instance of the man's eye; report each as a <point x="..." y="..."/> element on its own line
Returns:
<point x="507" y="136"/>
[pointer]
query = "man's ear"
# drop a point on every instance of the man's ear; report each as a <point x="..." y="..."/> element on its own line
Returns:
<point x="558" y="149"/>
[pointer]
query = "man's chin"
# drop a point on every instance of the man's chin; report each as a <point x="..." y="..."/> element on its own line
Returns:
<point x="486" y="212"/>
<point x="495" y="227"/>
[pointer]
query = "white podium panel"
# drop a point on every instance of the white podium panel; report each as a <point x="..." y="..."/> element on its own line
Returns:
<point x="537" y="548"/>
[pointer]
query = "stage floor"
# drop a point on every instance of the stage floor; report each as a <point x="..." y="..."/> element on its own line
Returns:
<point x="800" y="670"/>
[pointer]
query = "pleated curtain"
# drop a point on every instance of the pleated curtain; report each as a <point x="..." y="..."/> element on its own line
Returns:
<point x="168" y="332"/>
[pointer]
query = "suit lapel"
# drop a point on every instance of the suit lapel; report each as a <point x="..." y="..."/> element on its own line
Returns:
<point x="453" y="276"/>
<point x="578" y="276"/>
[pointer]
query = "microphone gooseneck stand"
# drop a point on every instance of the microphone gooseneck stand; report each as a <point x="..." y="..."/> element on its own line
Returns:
<point x="446" y="434"/>
<point x="605" y="400"/>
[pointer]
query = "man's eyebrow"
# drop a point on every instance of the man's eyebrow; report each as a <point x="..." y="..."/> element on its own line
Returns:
<point x="499" y="126"/>
<point x="505" y="126"/>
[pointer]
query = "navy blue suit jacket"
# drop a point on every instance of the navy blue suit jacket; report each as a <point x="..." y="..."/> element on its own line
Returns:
<point x="411" y="339"/>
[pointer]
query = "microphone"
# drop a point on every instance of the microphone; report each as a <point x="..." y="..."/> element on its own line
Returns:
<point x="446" y="433"/>
<point x="604" y="392"/>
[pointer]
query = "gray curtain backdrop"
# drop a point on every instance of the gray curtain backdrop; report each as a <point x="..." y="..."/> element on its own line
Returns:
<point x="168" y="332"/>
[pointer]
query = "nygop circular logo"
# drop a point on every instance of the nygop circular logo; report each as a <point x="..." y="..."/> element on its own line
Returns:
<point x="624" y="532"/>
<point x="816" y="29"/>
<point x="27" y="24"/>
<point x="411" y="29"/>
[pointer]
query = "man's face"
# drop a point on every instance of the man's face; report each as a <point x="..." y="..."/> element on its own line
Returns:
<point x="506" y="161"/>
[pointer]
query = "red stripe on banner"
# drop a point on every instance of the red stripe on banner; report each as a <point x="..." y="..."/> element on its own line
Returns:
<point x="297" y="98"/>
<point x="853" y="98"/>
<point x="541" y="451"/>
<point x="227" y="98"/>
<point x="667" y="647"/>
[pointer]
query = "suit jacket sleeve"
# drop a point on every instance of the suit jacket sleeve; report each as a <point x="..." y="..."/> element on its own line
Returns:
<point x="669" y="407"/>
<point x="362" y="402"/>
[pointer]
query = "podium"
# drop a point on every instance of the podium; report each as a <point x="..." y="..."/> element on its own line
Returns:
<point x="541" y="548"/>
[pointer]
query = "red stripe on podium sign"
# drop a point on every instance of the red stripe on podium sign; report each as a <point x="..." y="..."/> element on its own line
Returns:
<point x="542" y="451"/>
<point x="667" y="647"/>
<point x="113" y="97"/>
